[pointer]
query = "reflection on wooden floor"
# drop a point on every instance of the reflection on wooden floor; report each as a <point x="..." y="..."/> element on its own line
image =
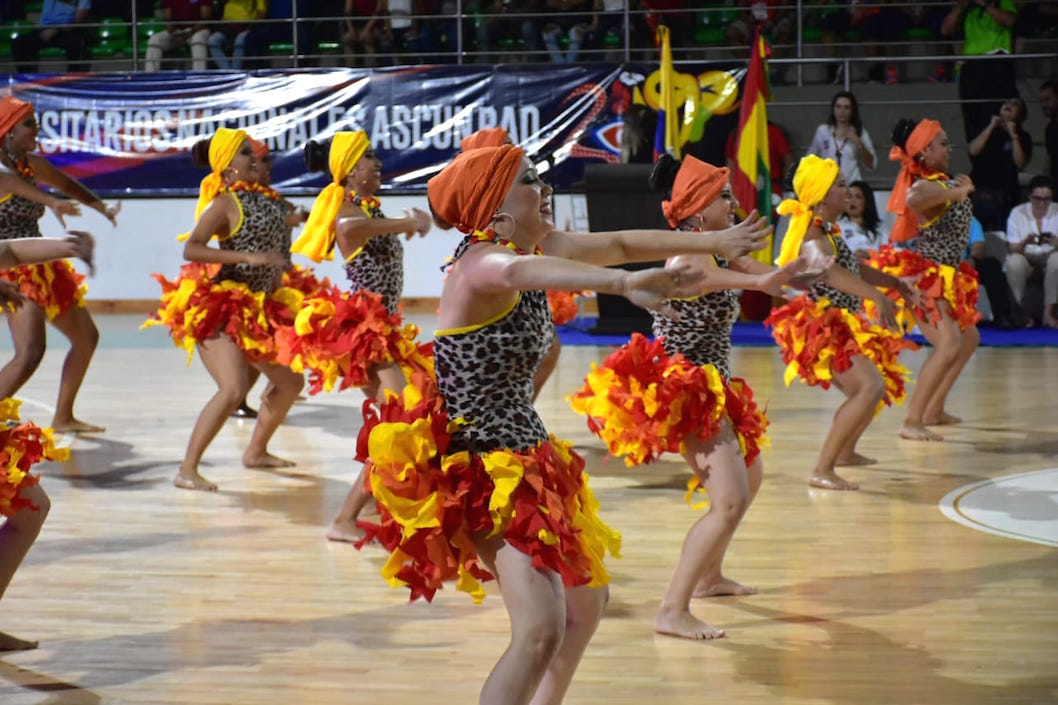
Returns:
<point x="140" y="593"/>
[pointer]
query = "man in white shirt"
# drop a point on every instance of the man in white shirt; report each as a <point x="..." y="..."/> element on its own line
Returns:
<point x="1032" y="239"/>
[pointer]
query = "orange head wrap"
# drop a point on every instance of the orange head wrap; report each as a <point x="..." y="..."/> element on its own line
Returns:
<point x="697" y="185"/>
<point x="906" y="225"/>
<point x="260" y="149"/>
<point x="12" y="112"/>
<point x="489" y="137"/>
<point x="468" y="192"/>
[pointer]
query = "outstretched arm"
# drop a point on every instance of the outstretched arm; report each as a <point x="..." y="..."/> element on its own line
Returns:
<point x="10" y="183"/>
<point x="35" y="250"/>
<point x="59" y="181"/>
<point x="354" y="230"/>
<point x="218" y="218"/>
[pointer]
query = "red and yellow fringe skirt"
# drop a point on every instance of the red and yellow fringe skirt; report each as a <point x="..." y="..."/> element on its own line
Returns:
<point x="54" y="286"/>
<point x="817" y="340"/>
<point x="642" y="402"/>
<point x="563" y="305"/>
<point x="435" y="504"/>
<point x="22" y="445"/>
<point x="935" y="283"/>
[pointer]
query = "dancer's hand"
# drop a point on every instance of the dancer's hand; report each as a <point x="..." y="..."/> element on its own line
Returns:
<point x="909" y="292"/>
<point x="62" y="208"/>
<point x="422" y="222"/>
<point x="748" y="236"/>
<point x="273" y="259"/>
<point x="110" y="212"/>
<point x="10" y="297"/>
<point x="886" y="312"/>
<point x="964" y="186"/>
<point x="798" y="274"/>
<point x="651" y="288"/>
<point x="83" y="248"/>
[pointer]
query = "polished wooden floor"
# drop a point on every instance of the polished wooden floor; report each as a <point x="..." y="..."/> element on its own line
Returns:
<point x="141" y="593"/>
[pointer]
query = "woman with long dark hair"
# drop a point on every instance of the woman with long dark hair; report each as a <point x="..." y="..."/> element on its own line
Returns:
<point x="861" y="227"/>
<point x="844" y="139"/>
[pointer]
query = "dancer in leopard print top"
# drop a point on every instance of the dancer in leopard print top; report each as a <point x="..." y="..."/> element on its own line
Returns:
<point x="53" y="291"/>
<point x="701" y="412"/>
<point x="934" y="210"/>
<point x="348" y="213"/>
<point x="502" y="494"/>
<point x="824" y="336"/>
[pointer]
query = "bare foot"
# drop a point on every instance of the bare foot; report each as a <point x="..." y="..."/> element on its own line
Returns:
<point x="916" y="431"/>
<point x="345" y="531"/>
<point x="854" y="459"/>
<point x="13" y="643"/>
<point x="191" y="480"/>
<point x="941" y="419"/>
<point x="75" y="426"/>
<point x="722" y="588"/>
<point x="831" y="481"/>
<point x="685" y="625"/>
<point x="266" y="460"/>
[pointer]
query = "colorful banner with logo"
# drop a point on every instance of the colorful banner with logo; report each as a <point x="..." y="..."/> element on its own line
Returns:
<point x="129" y="134"/>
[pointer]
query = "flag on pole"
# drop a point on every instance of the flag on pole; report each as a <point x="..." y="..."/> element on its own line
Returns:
<point x="751" y="175"/>
<point x="666" y="132"/>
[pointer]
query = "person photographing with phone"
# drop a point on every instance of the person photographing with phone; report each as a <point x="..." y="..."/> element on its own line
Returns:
<point x="1032" y="241"/>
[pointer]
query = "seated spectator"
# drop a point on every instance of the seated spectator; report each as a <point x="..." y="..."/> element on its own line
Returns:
<point x="1049" y="106"/>
<point x="608" y="21"/>
<point x="1032" y="238"/>
<point x="183" y="27"/>
<point x="238" y="14"/>
<point x="364" y="22"/>
<point x="574" y="26"/>
<point x="437" y="37"/>
<point x="1005" y="313"/>
<point x="998" y="153"/>
<point x="844" y="139"/>
<point x="25" y="49"/>
<point x="494" y="27"/>
<point x="278" y="29"/>
<point x="861" y="228"/>
<point x="882" y="24"/>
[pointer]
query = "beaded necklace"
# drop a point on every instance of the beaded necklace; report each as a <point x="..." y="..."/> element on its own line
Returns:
<point x="266" y="191"/>
<point x="489" y="235"/>
<point x="368" y="204"/>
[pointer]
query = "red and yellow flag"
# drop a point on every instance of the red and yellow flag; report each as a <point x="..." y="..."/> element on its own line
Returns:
<point x="751" y="172"/>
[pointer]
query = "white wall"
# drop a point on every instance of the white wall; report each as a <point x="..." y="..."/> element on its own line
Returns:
<point x="145" y="242"/>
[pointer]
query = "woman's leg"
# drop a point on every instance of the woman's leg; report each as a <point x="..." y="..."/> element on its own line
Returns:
<point x="863" y="388"/>
<point x="227" y="365"/>
<point x="713" y="582"/>
<point x="847" y="455"/>
<point x="584" y="608"/>
<point x="77" y="325"/>
<point x="284" y="385"/>
<point x="16" y="537"/>
<point x="935" y="414"/>
<point x="343" y="527"/>
<point x="719" y="465"/>
<point x="946" y="341"/>
<point x="536" y="605"/>
<point x="244" y="410"/>
<point x="28" y="335"/>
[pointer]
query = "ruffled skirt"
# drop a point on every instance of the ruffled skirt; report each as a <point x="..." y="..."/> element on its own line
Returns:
<point x="935" y="283"/>
<point x="563" y="305"/>
<point x="817" y="340"/>
<point x="435" y="504"/>
<point x="54" y="286"/>
<point x="22" y="445"/>
<point x="642" y="402"/>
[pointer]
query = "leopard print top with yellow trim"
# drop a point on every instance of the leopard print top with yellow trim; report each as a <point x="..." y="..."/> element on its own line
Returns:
<point x="379" y="266"/>
<point x="19" y="217"/>
<point x="843" y="257"/>
<point x="703" y="333"/>
<point x="944" y="239"/>
<point x="262" y="230"/>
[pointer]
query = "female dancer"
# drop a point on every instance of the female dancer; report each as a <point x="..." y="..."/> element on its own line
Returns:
<point x="348" y="213"/>
<point x="934" y="208"/>
<point x="54" y="291"/>
<point x="824" y="336"/>
<point x="466" y="475"/>
<point x="23" y="502"/>
<point x="221" y="317"/>
<point x="707" y="415"/>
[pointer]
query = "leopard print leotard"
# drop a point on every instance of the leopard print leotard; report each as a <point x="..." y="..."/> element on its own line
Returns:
<point x="844" y="258"/>
<point x="262" y="230"/>
<point x="945" y="238"/>
<point x="378" y="266"/>
<point x="19" y="217"/>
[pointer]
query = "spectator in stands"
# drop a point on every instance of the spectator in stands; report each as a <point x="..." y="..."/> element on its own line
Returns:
<point x="183" y="27"/>
<point x="238" y="14"/>
<point x="1035" y="20"/>
<point x="1032" y="238"/>
<point x="364" y="24"/>
<point x="987" y="27"/>
<point x="998" y="153"/>
<point x="1049" y="106"/>
<point x="776" y="25"/>
<point x="1005" y="313"/>
<point x="861" y="228"/>
<point x="51" y="33"/>
<point x="279" y="29"/>
<point x="844" y="139"/>
<point x="608" y="21"/>
<point x="882" y="23"/>
<point x="567" y="21"/>
<point x="437" y="37"/>
<point x="494" y="27"/>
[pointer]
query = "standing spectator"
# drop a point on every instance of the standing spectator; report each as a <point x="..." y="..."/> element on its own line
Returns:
<point x="1049" y="106"/>
<point x="861" y="228"/>
<point x="1005" y="313"/>
<point x="238" y="14"/>
<point x="184" y="26"/>
<point x="363" y="28"/>
<point x="998" y="153"/>
<point x="573" y="27"/>
<point x="983" y="83"/>
<point x="882" y="23"/>
<point x="1032" y="238"/>
<point x="54" y="14"/>
<point x="844" y="139"/>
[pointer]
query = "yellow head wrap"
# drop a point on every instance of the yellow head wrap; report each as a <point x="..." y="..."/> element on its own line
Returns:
<point x="223" y="147"/>
<point x="317" y="237"/>
<point x="811" y="182"/>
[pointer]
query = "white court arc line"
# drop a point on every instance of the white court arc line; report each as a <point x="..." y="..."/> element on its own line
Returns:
<point x="66" y="439"/>
<point x="954" y="506"/>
